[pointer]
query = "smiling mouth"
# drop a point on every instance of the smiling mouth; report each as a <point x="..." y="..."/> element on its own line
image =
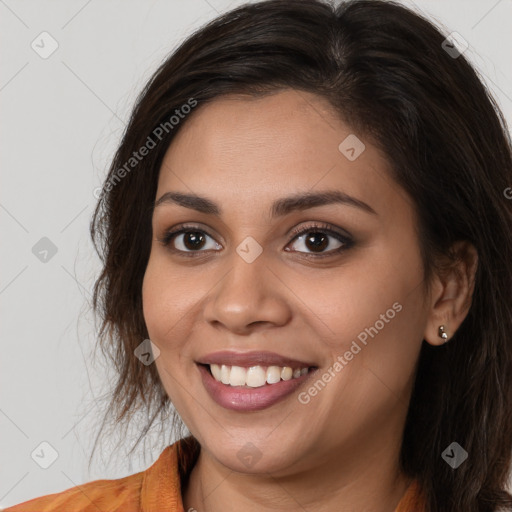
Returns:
<point x="254" y="376"/>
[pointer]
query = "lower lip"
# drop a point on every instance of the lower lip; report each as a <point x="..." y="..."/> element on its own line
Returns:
<point x="240" y="398"/>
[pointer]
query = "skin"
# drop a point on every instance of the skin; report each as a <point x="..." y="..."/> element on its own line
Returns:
<point x="340" y="451"/>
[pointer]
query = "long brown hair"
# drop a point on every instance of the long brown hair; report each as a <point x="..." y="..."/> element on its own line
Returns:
<point x="385" y="71"/>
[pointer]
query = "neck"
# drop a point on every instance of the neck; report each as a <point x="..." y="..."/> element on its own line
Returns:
<point x="371" y="482"/>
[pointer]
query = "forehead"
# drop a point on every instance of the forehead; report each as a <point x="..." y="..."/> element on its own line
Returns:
<point x="262" y="148"/>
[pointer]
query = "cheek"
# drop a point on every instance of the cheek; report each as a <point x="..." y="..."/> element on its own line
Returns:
<point x="161" y="300"/>
<point x="170" y="299"/>
<point x="373" y="355"/>
<point x="164" y="308"/>
<point x="152" y="295"/>
<point x="374" y="319"/>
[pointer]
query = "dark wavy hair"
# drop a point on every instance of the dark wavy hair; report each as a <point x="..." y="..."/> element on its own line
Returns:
<point x="385" y="72"/>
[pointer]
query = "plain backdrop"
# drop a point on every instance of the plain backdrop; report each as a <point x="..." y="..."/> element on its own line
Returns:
<point x="62" y="116"/>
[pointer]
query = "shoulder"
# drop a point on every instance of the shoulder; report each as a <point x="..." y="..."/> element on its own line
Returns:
<point x="413" y="499"/>
<point x="122" y="494"/>
<point x="157" y="486"/>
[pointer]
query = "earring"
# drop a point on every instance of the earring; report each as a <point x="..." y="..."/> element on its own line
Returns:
<point x="442" y="334"/>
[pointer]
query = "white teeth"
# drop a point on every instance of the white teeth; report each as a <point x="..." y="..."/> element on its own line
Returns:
<point x="286" y="373"/>
<point x="273" y="374"/>
<point x="216" y="371"/>
<point x="224" y="374"/>
<point x="237" y="376"/>
<point x="255" y="376"/>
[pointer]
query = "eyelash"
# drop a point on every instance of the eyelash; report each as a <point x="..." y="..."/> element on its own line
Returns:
<point x="346" y="240"/>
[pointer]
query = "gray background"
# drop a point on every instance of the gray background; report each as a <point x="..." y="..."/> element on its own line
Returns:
<point x="62" y="117"/>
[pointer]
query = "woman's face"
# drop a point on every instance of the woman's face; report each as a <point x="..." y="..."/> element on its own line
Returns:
<point x="345" y="298"/>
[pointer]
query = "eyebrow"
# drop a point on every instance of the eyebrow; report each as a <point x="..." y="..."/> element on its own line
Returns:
<point x="280" y="207"/>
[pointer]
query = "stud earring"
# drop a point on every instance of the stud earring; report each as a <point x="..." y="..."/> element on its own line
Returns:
<point x="442" y="334"/>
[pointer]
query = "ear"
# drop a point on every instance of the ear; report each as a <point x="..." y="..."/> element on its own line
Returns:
<point x="452" y="293"/>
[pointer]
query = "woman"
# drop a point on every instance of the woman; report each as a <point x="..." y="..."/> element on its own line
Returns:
<point x="308" y="217"/>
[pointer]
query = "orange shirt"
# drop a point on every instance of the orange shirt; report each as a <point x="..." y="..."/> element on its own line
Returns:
<point x="157" y="489"/>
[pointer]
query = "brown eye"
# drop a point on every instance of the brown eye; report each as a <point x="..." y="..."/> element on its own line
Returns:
<point x="189" y="240"/>
<point x="319" y="241"/>
<point x="193" y="240"/>
<point x="316" y="241"/>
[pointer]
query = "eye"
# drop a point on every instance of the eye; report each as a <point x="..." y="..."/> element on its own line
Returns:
<point x="318" y="237"/>
<point x="188" y="240"/>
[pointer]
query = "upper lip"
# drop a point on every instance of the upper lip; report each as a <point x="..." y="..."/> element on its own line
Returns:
<point x="247" y="359"/>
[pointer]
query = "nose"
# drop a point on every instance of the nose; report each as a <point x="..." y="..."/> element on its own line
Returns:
<point x="249" y="297"/>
